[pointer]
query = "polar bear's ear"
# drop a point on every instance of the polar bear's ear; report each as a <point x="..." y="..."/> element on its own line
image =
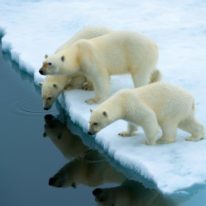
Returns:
<point x="46" y="56"/>
<point x="63" y="58"/>
<point x="55" y="86"/>
<point x="105" y="113"/>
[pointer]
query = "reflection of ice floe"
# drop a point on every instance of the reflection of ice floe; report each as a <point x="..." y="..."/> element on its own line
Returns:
<point x="130" y="193"/>
<point x="91" y="169"/>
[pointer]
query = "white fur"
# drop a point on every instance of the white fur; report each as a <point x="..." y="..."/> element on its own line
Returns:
<point x="98" y="58"/>
<point x="151" y="106"/>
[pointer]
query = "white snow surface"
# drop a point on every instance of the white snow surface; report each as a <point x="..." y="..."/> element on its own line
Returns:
<point x="35" y="28"/>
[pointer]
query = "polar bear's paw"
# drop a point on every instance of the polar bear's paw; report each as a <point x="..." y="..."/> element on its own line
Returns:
<point x="191" y="138"/>
<point x="165" y="141"/>
<point x="92" y="101"/>
<point x="127" y="134"/>
<point x="149" y="142"/>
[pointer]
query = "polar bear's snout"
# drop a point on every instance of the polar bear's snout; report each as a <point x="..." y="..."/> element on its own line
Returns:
<point x="41" y="71"/>
<point x="44" y="69"/>
<point x="91" y="133"/>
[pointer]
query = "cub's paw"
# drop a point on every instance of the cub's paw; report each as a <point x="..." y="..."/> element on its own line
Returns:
<point x="191" y="138"/>
<point x="165" y="141"/>
<point x="149" y="142"/>
<point x="92" y="101"/>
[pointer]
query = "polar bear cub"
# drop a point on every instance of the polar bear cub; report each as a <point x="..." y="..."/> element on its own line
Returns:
<point x="114" y="53"/>
<point x="54" y="85"/>
<point x="152" y="106"/>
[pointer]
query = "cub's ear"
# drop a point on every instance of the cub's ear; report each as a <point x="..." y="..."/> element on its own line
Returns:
<point x="63" y="58"/>
<point x="105" y="114"/>
<point x="55" y="86"/>
<point x="46" y="56"/>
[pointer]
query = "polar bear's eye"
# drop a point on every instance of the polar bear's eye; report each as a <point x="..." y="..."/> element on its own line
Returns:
<point x="95" y="123"/>
<point x="49" y="63"/>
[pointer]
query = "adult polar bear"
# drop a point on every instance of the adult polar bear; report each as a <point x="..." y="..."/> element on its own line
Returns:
<point x="54" y="85"/>
<point x="98" y="58"/>
<point x="155" y="104"/>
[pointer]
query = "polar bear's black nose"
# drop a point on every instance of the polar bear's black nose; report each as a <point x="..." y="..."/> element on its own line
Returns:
<point x="41" y="72"/>
<point x="52" y="181"/>
<point x="48" y="117"/>
<point x="90" y="133"/>
<point x="97" y="191"/>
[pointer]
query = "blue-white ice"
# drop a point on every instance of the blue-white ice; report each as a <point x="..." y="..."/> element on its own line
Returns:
<point x="34" y="28"/>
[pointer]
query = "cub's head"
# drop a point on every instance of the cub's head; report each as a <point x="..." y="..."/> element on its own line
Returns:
<point x="50" y="91"/>
<point x="98" y="120"/>
<point x="51" y="64"/>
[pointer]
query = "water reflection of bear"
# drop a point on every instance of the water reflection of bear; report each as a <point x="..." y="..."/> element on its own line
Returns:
<point x="68" y="143"/>
<point x="89" y="167"/>
<point x="130" y="193"/>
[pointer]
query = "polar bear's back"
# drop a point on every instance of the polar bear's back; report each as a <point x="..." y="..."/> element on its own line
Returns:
<point x="85" y="33"/>
<point x="122" y="49"/>
<point x="166" y="100"/>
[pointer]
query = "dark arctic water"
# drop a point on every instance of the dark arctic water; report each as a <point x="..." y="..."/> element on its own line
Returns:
<point x="44" y="163"/>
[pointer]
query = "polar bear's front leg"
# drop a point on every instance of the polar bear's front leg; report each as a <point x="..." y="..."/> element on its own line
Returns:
<point x="131" y="131"/>
<point x="101" y="87"/>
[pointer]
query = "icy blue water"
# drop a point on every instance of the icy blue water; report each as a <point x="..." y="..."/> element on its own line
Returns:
<point x="35" y="145"/>
<point x="34" y="28"/>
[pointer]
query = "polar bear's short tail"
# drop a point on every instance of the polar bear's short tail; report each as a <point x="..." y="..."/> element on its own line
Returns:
<point x="156" y="76"/>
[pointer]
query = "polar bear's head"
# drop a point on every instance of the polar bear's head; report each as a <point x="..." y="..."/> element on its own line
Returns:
<point x="52" y="86"/>
<point x="52" y="64"/>
<point x="98" y="120"/>
<point x="50" y="92"/>
<point x="64" y="177"/>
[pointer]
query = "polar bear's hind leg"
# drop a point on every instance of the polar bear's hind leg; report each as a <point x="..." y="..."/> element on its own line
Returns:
<point x="192" y="126"/>
<point x="169" y="130"/>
